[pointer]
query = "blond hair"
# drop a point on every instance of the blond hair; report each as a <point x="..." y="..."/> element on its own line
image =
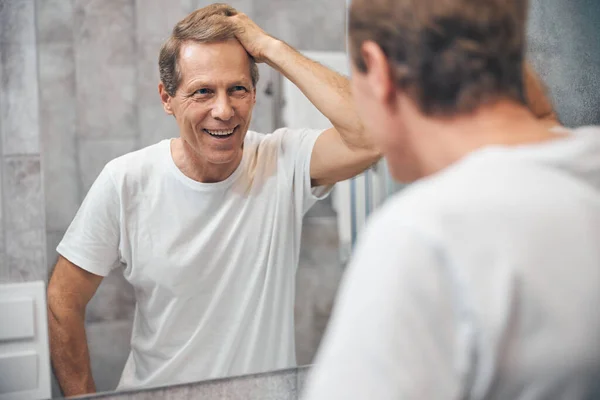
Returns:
<point x="208" y="24"/>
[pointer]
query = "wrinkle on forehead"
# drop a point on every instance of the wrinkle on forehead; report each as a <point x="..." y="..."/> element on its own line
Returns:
<point x="227" y="60"/>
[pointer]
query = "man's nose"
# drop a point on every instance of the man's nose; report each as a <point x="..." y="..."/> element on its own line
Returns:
<point x="222" y="108"/>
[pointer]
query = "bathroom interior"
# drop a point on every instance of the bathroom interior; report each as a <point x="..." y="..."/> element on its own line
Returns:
<point x="78" y="83"/>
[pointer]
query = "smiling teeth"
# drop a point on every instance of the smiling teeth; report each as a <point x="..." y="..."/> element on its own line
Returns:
<point x="220" y="133"/>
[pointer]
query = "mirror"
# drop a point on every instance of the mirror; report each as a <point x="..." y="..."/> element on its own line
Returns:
<point x="98" y="78"/>
<point x="79" y="88"/>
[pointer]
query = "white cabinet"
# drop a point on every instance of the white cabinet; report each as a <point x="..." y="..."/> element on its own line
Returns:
<point x="24" y="351"/>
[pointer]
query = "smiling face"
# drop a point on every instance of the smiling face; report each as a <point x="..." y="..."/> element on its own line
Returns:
<point x="214" y="101"/>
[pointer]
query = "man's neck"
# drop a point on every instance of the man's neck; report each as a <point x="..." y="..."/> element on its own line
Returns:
<point x="198" y="169"/>
<point x="440" y="142"/>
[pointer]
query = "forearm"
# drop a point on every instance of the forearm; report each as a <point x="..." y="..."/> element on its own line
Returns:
<point x="327" y="90"/>
<point x="69" y="351"/>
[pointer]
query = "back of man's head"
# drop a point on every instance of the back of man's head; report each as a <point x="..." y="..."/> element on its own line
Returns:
<point x="205" y="25"/>
<point x="448" y="56"/>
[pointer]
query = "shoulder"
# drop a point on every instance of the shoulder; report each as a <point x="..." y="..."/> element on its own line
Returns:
<point x="469" y="191"/>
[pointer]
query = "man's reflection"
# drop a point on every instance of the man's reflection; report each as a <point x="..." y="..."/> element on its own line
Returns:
<point x="208" y="224"/>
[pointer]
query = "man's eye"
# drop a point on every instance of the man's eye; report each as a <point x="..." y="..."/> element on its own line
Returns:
<point x="202" y="91"/>
<point x="239" y="88"/>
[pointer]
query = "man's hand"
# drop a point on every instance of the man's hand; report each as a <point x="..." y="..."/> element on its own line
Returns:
<point x="252" y="37"/>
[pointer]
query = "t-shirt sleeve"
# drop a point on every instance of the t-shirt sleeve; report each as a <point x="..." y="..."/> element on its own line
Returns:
<point x="296" y="148"/>
<point x="393" y="331"/>
<point x="92" y="240"/>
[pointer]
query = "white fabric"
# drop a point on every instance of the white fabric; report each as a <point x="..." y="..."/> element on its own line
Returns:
<point x="482" y="281"/>
<point x="213" y="265"/>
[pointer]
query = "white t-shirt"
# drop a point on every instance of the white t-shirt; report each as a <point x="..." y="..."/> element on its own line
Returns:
<point x="482" y="281"/>
<point x="213" y="264"/>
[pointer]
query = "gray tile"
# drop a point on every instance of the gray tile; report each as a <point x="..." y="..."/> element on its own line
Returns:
<point x="153" y="123"/>
<point x="19" y="99"/>
<point x="55" y="388"/>
<point x="114" y="300"/>
<point x="245" y="6"/>
<point x="25" y="256"/>
<point x="321" y="209"/>
<point x="155" y="19"/>
<point x="54" y="20"/>
<point x="53" y="238"/>
<point x="95" y="154"/>
<point x="105" y="55"/>
<point x="319" y="240"/>
<point x="58" y="135"/>
<point x="317" y="280"/>
<point x="17" y="22"/>
<point x="108" y="343"/>
<point x="147" y="71"/>
<point x="2" y="217"/>
<point x="23" y="196"/>
<point x="295" y="22"/>
<point x="263" y="119"/>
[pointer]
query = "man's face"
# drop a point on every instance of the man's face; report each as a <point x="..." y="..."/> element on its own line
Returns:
<point x="213" y="103"/>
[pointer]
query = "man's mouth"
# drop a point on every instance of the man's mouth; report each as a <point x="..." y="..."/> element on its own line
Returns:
<point x="220" y="133"/>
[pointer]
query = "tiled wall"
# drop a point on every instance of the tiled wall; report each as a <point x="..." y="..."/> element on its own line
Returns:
<point x="78" y="85"/>
<point x="22" y="221"/>
<point x="98" y="81"/>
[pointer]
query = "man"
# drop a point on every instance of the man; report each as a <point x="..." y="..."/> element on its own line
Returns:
<point x="482" y="279"/>
<point x="207" y="225"/>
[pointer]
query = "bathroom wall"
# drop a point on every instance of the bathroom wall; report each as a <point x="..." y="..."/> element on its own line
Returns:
<point x="98" y="93"/>
<point x="22" y="220"/>
<point x="78" y="87"/>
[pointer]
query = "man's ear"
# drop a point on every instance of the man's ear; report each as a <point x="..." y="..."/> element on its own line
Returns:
<point x="165" y="98"/>
<point x="378" y="74"/>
